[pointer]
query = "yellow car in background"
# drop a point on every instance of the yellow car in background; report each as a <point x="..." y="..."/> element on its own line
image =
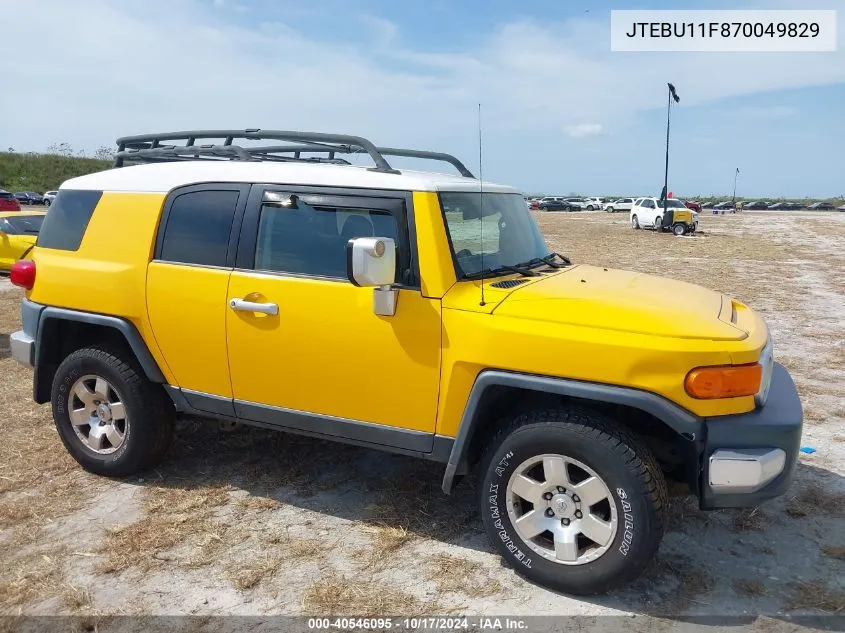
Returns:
<point x="18" y="232"/>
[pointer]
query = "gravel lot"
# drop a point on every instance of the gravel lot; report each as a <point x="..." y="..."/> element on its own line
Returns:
<point x="256" y="522"/>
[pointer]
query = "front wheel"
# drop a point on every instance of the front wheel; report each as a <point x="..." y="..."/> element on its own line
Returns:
<point x="609" y="209"/>
<point x="572" y="501"/>
<point x="635" y="223"/>
<point x="679" y="229"/>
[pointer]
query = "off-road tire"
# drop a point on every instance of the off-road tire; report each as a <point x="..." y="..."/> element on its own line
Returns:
<point x="150" y="412"/>
<point x="635" y="222"/>
<point x="628" y="468"/>
<point x="679" y="229"/>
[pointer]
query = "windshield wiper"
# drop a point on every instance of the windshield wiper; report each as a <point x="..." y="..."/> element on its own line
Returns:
<point x="549" y="260"/>
<point x="525" y="272"/>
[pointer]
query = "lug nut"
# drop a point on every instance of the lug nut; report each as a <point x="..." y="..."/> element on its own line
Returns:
<point x="547" y="496"/>
<point x="564" y="522"/>
<point x="550" y="512"/>
<point x="578" y="514"/>
<point x="575" y="498"/>
<point x="561" y="489"/>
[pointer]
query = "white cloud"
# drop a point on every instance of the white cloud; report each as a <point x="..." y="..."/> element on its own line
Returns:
<point x="583" y="130"/>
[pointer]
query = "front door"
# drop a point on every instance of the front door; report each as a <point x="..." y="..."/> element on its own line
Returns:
<point x="305" y="347"/>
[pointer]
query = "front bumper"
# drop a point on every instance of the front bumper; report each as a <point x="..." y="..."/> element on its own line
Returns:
<point x="751" y="457"/>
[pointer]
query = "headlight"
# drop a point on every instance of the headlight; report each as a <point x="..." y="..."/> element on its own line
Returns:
<point x="767" y="361"/>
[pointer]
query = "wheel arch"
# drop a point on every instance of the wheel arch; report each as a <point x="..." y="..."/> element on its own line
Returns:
<point x="497" y="394"/>
<point x="62" y="331"/>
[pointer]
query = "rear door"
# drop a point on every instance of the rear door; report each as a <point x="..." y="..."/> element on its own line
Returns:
<point x="187" y="281"/>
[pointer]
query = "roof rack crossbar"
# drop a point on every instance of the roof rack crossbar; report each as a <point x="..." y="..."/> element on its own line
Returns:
<point x="147" y="146"/>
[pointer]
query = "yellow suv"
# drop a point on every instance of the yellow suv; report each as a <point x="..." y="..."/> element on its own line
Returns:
<point x="281" y="286"/>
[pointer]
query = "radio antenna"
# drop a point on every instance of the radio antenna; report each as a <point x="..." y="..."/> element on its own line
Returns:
<point x="481" y="203"/>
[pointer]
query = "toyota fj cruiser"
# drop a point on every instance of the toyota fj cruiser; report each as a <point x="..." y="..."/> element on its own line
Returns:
<point x="282" y="286"/>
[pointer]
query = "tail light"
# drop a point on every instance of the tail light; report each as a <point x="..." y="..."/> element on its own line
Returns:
<point x="23" y="274"/>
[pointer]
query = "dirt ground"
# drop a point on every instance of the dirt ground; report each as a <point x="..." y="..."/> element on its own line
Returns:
<point x="258" y="522"/>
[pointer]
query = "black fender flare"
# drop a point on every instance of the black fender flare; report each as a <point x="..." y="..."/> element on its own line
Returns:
<point x="676" y="417"/>
<point x="126" y="328"/>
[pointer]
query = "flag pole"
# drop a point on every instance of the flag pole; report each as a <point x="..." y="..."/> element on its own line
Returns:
<point x="672" y="95"/>
<point x="736" y="175"/>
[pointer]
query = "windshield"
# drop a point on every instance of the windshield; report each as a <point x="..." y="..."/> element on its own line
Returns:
<point x="24" y="224"/>
<point x="510" y="234"/>
<point x="671" y="204"/>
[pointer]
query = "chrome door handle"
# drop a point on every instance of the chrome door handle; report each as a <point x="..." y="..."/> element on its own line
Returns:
<point x="250" y="306"/>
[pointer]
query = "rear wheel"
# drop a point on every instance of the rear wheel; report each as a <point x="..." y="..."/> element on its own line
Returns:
<point x="635" y="223"/>
<point x="572" y="501"/>
<point x="610" y="209"/>
<point x="111" y="418"/>
<point x="658" y="223"/>
<point x="679" y="229"/>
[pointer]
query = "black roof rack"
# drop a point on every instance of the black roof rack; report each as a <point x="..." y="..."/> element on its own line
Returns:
<point x="151" y="148"/>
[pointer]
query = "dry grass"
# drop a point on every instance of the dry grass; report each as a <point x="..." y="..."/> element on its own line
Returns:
<point x="461" y="575"/>
<point x="173" y="515"/>
<point x="818" y="596"/>
<point x="749" y="587"/>
<point x="75" y="598"/>
<point x="815" y="500"/>
<point x="247" y="574"/>
<point x="834" y="551"/>
<point x="335" y="594"/>
<point x="31" y="577"/>
<point x="690" y="579"/>
<point x="258" y="503"/>
<point x="750" y="520"/>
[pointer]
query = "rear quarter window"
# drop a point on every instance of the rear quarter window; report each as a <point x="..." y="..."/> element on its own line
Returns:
<point x="67" y="219"/>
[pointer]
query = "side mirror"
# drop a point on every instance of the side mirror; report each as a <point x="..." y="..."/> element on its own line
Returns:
<point x="371" y="262"/>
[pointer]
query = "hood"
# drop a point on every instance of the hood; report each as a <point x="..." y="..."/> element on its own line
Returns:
<point x="625" y="301"/>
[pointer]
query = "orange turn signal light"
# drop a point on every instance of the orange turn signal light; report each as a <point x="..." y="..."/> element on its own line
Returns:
<point x="726" y="381"/>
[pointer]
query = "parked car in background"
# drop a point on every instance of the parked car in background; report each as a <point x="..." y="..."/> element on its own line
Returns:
<point x="557" y="204"/>
<point x="8" y="202"/>
<point x="692" y="204"/>
<point x="18" y="232"/>
<point x="842" y="208"/>
<point x="594" y="203"/>
<point x="821" y="206"/>
<point x="620" y="204"/>
<point x="49" y="196"/>
<point x="756" y="206"/>
<point x="577" y="204"/>
<point x="29" y="197"/>
<point x="727" y="204"/>
<point x="648" y="213"/>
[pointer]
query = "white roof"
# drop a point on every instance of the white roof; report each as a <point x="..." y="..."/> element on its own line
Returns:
<point x="162" y="177"/>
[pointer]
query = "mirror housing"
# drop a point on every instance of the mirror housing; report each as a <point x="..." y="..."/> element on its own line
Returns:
<point x="371" y="262"/>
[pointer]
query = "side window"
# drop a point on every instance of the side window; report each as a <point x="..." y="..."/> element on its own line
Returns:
<point x="648" y="204"/>
<point x="67" y="219"/>
<point x="198" y="227"/>
<point x="311" y="239"/>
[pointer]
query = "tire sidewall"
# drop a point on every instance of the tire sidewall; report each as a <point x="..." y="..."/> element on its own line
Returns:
<point x="67" y="374"/>
<point x="632" y="545"/>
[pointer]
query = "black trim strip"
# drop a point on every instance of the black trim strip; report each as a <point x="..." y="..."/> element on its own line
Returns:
<point x="368" y="435"/>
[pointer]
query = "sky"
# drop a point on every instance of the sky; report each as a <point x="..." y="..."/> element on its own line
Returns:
<point x="561" y="112"/>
